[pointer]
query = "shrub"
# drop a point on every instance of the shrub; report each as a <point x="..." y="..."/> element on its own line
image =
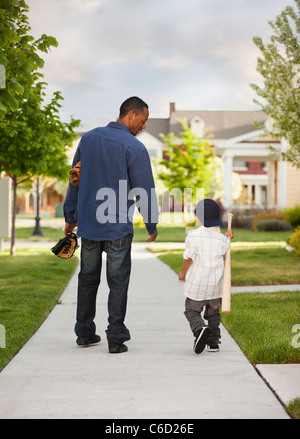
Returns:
<point x="271" y="215"/>
<point x="243" y="217"/>
<point x="293" y="216"/>
<point x="273" y="225"/>
<point x="137" y="220"/>
<point x="191" y="223"/>
<point x="295" y="241"/>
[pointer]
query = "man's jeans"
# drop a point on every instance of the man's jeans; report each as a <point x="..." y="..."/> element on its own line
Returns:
<point x="118" y="274"/>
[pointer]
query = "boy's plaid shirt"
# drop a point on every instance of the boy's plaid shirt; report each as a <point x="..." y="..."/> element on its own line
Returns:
<point x="206" y="246"/>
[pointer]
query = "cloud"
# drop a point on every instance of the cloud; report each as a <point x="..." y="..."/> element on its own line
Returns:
<point x="176" y="62"/>
<point x="197" y="53"/>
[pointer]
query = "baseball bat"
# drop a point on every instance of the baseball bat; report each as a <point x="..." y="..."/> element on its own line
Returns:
<point x="226" y="295"/>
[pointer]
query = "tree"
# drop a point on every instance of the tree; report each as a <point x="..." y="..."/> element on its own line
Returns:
<point x="279" y="66"/>
<point x="19" y="57"/>
<point x="189" y="164"/>
<point x="33" y="141"/>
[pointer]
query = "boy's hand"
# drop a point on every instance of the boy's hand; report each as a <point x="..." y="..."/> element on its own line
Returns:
<point x="229" y="233"/>
<point x="186" y="265"/>
<point x="181" y="277"/>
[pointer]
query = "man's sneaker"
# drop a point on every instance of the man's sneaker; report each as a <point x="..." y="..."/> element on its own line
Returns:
<point x="87" y="342"/>
<point x="115" y="348"/>
<point x="201" y="340"/>
<point x="213" y="348"/>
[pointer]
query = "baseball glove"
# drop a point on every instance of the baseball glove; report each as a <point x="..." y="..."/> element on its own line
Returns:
<point x="75" y="175"/>
<point x="66" y="246"/>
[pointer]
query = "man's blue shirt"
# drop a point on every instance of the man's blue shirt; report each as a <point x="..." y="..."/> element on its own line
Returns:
<point x="115" y="168"/>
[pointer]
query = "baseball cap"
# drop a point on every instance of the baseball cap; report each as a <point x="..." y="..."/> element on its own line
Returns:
<point x="208" y="212"/>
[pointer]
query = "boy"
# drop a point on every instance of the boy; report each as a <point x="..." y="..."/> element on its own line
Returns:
<point x="202" y="272"/>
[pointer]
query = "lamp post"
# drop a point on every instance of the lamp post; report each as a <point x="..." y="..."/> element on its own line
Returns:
<point x="37" y="230"/>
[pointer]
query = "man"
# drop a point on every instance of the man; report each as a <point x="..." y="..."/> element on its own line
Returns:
<point x="115" y="168"/>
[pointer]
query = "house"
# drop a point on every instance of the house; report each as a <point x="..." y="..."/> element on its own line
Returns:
<point x="52" y="194"/>
<point x="267" y="181"/>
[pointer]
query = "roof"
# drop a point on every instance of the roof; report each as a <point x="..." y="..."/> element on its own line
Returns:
<point x="221" y="124"/>
<point x="155" y="127"/>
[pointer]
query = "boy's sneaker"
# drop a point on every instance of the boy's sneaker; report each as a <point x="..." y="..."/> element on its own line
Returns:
<point x="213" y="348"/>
<point x="201" y="340"/>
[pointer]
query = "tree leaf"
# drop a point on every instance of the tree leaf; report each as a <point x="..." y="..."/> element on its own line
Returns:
<point x="9" y="100"/>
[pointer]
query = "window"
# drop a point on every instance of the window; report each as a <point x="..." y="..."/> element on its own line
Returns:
<point x="197" y="126"/>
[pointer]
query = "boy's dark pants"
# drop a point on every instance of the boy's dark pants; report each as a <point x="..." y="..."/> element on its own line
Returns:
<point x="193" y="310"/>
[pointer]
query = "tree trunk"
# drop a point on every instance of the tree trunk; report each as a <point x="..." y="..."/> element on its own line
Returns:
<point x="37" y="230"/>
<point x="14" y="212"/>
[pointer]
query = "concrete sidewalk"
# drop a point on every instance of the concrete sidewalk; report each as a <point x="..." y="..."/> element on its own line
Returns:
<point x="158" y="378"/>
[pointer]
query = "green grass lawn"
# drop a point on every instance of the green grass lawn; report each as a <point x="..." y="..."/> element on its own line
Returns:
<point x="253" y="266"/>
<point x="261" y="323"/>
<point x="178" y="233"/>
<point x="31" y="283"/>
<point x="264" y="266"/>
<point x="50" y="234"/>
<point x="294" y="408"/>
<point x="166" y="233"/>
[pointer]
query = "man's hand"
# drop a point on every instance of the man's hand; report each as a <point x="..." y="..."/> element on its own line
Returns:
<point x="152" y="237"/>
<point x="69" y="228"/>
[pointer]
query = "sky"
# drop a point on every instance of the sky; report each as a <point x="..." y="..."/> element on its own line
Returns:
<point x="197" y="53"/>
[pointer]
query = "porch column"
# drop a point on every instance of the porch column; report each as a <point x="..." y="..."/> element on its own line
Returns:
<point x="272" y="184"/>
<point x="281" y="178"/>
<point x="249" y="194"/>
<point x="228" y="162"/>
<point x="257" y="200"/>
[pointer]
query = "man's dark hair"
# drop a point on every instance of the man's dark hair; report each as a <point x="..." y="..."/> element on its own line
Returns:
<point x="132" y="104"/>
